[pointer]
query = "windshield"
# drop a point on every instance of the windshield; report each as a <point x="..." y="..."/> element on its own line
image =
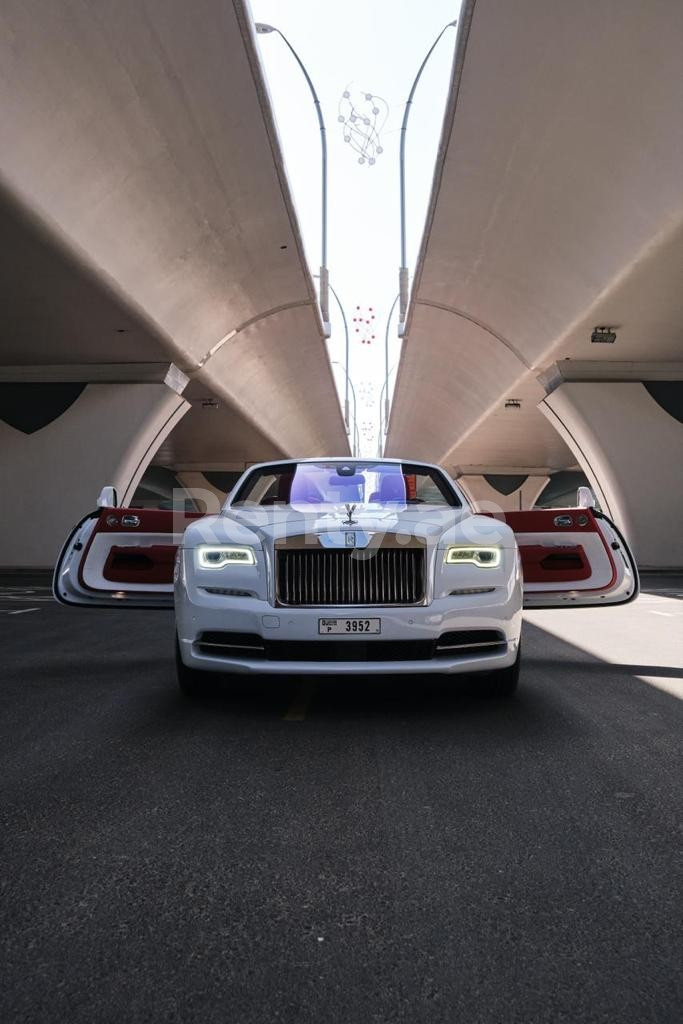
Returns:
<point x="334" y="483"/>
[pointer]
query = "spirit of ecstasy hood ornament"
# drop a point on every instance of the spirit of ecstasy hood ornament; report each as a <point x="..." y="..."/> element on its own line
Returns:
<point x="350" y="521"/>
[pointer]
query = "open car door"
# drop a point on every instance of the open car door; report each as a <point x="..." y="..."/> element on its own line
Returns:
<point x="121" y="557"/>
<point x="573" y="557"/>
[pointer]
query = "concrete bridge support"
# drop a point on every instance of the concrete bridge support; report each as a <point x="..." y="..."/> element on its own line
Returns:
<point x="508" y="490"/>
<point x="67" y="431"/>
<point x="624" y="423"/>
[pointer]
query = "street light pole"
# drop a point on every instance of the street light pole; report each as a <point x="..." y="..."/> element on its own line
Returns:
<point x="381" y="422"/>
<point x="346" y="356"/>
<point x="346" y="360"/>
<point x="403" y="269"/>
<point x="384" y="425"/>
<point x="355" y="444"/>
<point x="263" y="29"/>
<point x="385" y="389"/>
<point x="381" y="416"/>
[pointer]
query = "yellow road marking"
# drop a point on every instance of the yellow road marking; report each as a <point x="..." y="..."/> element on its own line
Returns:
<point x="296" y="712"/>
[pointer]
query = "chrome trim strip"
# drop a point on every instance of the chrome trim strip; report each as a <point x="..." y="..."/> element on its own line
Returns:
<point x="231" y="647"/>
<point x="469" y="647"/>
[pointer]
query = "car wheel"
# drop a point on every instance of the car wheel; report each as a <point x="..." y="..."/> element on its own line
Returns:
<point x="191" y="681"/>
<point x="503" y="682"/>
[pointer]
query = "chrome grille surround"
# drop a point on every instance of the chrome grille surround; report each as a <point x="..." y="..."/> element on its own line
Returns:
<point x="388" y="574"/>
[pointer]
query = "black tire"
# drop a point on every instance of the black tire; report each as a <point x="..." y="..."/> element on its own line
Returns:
<point x="191" y="681"/>
<point x="503" y="682"/>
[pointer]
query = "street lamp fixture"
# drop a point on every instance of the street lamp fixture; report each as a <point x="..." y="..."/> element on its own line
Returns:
<point x="403" y="284"/>
<point x="263" y="29"/>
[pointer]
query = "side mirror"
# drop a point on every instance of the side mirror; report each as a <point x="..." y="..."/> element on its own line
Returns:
<point x="585" y="498"/>
<point x="108" y="498"/>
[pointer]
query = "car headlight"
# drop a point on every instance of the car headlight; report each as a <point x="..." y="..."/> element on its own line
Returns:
<point x="485" y="558"/>
<point x="217" y="556"/>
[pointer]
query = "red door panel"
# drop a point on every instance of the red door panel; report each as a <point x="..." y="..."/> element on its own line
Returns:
<point x="559" y="565"/>
<point x="121" y="557"/>
<point x="573" y="556"/>
<point x="153" y="564"/>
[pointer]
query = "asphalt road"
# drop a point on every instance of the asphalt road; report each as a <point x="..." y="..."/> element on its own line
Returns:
<point x="358" y="852"/>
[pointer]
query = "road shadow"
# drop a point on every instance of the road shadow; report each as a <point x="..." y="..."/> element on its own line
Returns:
<point x="358" y="702"/>
<point x="608" y="668"/>
<point x="552" y="671"/>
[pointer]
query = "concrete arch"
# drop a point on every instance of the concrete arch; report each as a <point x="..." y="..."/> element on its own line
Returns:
<point x="478" y="323"/>
<point x="52" y="476"/>
<point x="438" y="363"/>
<point x="486" y="497"/>
<point x="631" y="450"/>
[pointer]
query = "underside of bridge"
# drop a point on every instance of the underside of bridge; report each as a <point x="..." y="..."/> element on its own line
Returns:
<point x="557" y="208"/>
<point x="157" y="306"/>
<point x="160" y="321"/>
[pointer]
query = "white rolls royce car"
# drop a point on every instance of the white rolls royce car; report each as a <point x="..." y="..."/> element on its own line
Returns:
<point x="346" y="566"/>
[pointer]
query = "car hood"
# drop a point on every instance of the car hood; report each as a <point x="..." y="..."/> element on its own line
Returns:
<point x="266" y="526"/>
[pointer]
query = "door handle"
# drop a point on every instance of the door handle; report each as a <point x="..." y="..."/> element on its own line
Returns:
<point x="130" y="521"/>
<point x="563" y="521"/>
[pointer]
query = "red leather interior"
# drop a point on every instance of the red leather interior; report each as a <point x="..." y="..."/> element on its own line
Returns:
<point x="542" y="520"/>
<point x="127" y="563"/>
<point x="152" y="564"/>
<point x="564" y="565"/>
<point x="554" y="565"/>
<point x="152" y="520"/>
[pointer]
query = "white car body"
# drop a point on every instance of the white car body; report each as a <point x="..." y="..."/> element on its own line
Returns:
<point x="234" y="617"/>
<point x="199" y="609"/>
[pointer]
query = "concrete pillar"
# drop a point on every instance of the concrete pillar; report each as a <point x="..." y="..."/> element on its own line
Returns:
<point x="52" y="474"/>
<point x="627" y="435"/>
<point x="507" y="491"/>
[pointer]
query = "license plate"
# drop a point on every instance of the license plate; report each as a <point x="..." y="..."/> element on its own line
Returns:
<point x="350" y="626"/>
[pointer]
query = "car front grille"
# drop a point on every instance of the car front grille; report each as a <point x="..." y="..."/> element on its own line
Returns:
<point x="383" y="576"/>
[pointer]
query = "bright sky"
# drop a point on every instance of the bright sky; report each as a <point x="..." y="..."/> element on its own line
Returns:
<point x="360" y="46"/>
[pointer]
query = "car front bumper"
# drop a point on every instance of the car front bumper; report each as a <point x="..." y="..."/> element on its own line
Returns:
<point x="198" y="613"/>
